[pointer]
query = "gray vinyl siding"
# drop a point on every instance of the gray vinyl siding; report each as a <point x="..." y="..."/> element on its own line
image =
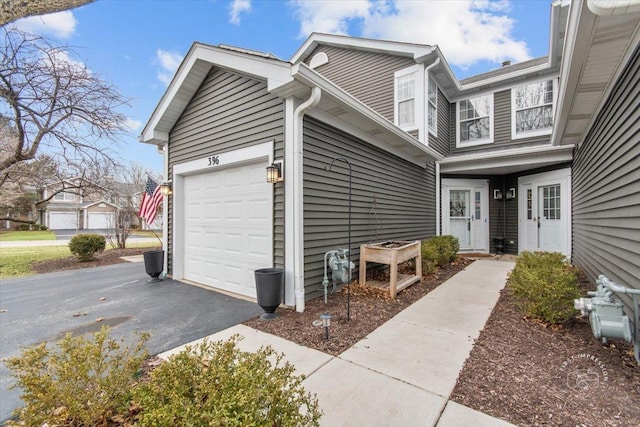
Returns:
<point x="501" y="128"/>
<point x="606" y="186"/>
<point x="503" y="214"/>
<point x="404" y="195"/>
<point x="230" y="111"/>
<point x="441" y="142"/>
<point x="366" y="76"/>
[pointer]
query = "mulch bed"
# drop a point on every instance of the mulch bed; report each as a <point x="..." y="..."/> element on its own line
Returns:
<point x="532" y="374"/>
<point x="109" y="257"/>
<point x="369" y="308"/>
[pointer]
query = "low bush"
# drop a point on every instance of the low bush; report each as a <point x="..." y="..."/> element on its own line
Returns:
<point x="24" y="227"/>
<point x="429" y="258"/>
<point x="545" y="285"/>
<point x="439" y="250"/>
<point x="217" y="384"/>
<point x="85" y="246"/>
<point x="84" y="383"/>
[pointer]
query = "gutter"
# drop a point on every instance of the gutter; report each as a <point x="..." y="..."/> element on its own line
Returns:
<point x="298" y="200"/>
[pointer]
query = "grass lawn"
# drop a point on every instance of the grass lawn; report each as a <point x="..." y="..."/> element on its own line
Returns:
<point x="145" y="233"/>
<point x="12" y="236"/>
<point x="16" y="262"/>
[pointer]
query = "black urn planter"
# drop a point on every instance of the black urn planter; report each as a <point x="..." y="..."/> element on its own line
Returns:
<point x="154" y="264"/>
<point x="269" y="286"/>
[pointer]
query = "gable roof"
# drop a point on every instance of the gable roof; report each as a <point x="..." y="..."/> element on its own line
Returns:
<point x="412" y="50"/>
<point x="191" y="73"/>
<point x="283" y="79"/>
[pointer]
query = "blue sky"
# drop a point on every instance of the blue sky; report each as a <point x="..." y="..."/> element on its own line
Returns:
<point x="138" y="44"/>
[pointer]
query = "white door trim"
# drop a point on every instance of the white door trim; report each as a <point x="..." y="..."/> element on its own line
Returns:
<point x="454" y="183"/>
<point x="207" y="164"/>
<point x="560" y="176"/>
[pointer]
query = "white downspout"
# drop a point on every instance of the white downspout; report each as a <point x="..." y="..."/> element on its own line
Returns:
<point x="426" y="85"/>
<point x="437" y="198"/>
<point x="165" y="208"/>
<point x="298" y="200"/>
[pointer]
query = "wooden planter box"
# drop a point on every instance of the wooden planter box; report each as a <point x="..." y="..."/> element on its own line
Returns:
<point x="391" y="253"/>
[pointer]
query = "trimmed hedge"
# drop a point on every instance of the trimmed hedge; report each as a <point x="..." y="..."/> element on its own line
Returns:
<point x="85" y="246"/>
<point x="438" y="252"/>
<point x="545" y="285"/>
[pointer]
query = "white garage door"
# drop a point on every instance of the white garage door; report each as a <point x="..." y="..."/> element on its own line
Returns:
<point x="228" y="227"/>
<point x="63" y="220"/>
<point x="101" y="220"/>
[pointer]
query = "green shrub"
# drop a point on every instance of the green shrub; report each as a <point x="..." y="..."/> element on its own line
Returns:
<point x="217" y="384"/>
<point x="545" y="285"/>
<point x="43" y="227"/>
<point x="85" y="382"/>
<point x="430" y="258"/>
<point x="25" y="227"/>
<point x="442" y="250"/>
<point x="86" y="245"/>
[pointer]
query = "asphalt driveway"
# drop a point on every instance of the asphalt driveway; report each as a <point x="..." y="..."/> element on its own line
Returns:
<point x="45" y="307"/>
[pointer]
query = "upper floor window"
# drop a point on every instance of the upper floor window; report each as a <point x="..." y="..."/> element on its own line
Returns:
<point x="475" y="120"/>
<point x="63" y="196"/>
<point x="406" y="99"/>
<point x="432" y="101"/>
<point x="532" y="109"/>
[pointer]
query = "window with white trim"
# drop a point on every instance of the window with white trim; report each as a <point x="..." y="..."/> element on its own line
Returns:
<point x="475" y="120"/>
<point x="406" y="99"/>
<point x="532" y="109"/>
<point x="432" y="107"/>
<point x="63" y="196"/>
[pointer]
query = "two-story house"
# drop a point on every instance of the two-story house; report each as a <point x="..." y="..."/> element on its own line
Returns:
<point x="493" y="159"/>
<point x="76" y="205"/>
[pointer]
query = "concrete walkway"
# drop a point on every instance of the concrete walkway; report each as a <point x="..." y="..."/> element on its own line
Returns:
<point x="403" y="373"/>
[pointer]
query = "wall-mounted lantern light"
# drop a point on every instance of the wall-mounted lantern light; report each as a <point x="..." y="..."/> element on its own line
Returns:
<point x="274" y="172"/>
<point x="511" y="193"/>
<point x="497" y="194"/>
<point x="165" y="188"/>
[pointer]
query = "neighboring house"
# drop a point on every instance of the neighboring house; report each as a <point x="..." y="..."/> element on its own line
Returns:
<point x="90" y="207"/>
<point x="488" y="159"/>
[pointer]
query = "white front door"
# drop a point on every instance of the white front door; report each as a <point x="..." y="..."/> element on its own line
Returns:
<point x="465" y="213"/>
<point x="544" y="216"/>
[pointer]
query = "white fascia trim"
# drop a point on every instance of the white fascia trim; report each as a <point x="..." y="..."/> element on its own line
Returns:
<point x="225" y="160"/>
<point x="418" y="99"/>
<point x="307" y="76"/>
<point x="539" y="132"/>
<point x="415" y="51"/>
<point x="194" y="69"/>
<point x="509" y="157"/>
<point x="460" y="144"/>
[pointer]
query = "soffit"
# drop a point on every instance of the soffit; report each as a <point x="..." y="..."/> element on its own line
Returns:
<point x="594" y="68"/>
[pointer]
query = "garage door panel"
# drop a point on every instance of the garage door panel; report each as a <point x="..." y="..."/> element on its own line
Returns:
<point x="63" y="220"/>
<point x="228" y="227"/>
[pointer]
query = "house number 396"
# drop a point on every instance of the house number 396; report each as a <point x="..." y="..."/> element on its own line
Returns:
<point x="213" y="160"/>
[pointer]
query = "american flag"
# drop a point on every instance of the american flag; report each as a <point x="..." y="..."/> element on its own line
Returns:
<point x="150" y="201"/>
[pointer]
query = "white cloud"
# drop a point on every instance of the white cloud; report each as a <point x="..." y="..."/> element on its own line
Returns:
<point x="236" y="8"/>
<point x="60" y="24"/>
<point x="331" y="16"/>
<point x="169" y="63"/>
<point x="132" y="124"/>
<point x="465" y="31"/>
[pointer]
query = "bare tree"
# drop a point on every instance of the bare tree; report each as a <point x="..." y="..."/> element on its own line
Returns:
<point x="11" y="10"/>
<point x="128" y="182"/>
<point x="53" y="105"/>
